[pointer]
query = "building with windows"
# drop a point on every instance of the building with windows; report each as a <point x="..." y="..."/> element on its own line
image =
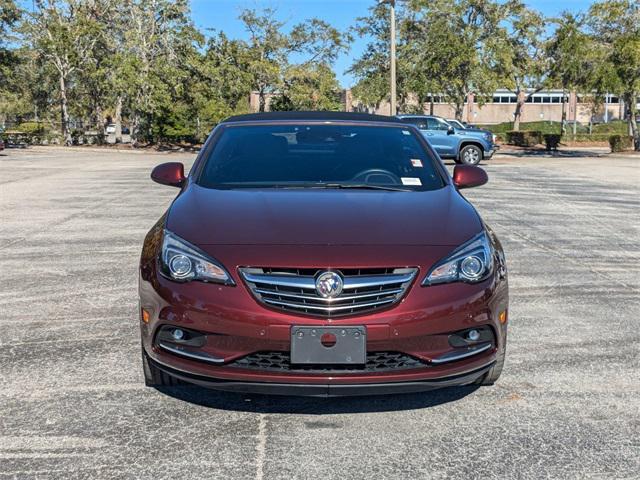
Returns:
<point x="538" y="106"/>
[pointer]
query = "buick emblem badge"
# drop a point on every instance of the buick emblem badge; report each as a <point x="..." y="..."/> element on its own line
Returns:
<point x="329" y="285"/>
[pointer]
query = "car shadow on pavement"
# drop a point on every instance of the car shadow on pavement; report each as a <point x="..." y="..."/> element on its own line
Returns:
<point x="276" y="404"/>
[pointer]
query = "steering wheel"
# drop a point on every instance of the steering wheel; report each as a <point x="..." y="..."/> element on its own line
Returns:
<point x="365" y="175"/>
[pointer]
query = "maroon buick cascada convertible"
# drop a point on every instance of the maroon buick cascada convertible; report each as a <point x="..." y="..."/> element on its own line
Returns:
<point x="321" y="254"/>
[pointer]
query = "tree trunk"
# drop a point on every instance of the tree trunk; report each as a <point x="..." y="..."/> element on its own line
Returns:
<point x="64" y="112"/>
<point x="630" y="100"/>
<point x="135" y="127"/>
<point x="118" y="119"/>
<point x="431" y="106"/>
<point x="459" y="110"/>
<point x="263" y="101"/>
<point x="518" y="113"/>
<point x="563" y="116"/>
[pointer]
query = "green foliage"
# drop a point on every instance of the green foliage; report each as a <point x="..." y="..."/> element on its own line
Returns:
<point x="619" y="143"/>
<point x="309" y="87"/>
<point x="614" y="27"/>
<point x="143" y="64"/>
<point x="270" y="50"/>
<point x="540" y="126"/>
<point x="445" y="47"/>
<point x="32" y="128"/>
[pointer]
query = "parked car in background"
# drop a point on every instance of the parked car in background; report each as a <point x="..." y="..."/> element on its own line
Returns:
<point x="300" y="257"/>
<point x="1" y="144"/>
<point x="470" y="128"/>
<point x="456" y="124"/>
<point x="467" y="147"/>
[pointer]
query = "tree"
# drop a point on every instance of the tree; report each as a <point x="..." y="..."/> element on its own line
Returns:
<point x="270" y="49"/>
<point x="522" y="58"/>
<point x="157" y="54"/>
<point x="614" y="26"/>
<point x="9" y="16"/>
<point x="445" y="47"/>
<point x="570" y="52"/>
<point x="63" y="35"/>
<point x="309" y="87"/>
<point x="372" y="69"/>
<point x="459" y="46"/>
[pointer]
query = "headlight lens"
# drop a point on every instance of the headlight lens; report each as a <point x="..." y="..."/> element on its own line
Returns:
<point x="183" y="262"/>
<point x="471" y="262"/>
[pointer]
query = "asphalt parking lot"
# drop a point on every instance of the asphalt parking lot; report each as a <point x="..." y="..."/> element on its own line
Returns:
<point x="73" y="403"/>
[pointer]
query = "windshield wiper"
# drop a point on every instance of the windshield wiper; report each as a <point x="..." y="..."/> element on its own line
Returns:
<point x="361" y="186"/>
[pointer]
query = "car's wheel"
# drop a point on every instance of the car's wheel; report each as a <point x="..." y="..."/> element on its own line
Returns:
<point x="494" y="372"/>
<point x="470" y="155"/>
<point x="154" y="377"/>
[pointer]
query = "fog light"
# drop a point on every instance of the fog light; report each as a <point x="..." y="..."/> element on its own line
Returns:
<point x="473" y="335"/>
<point x="177" y="334"/>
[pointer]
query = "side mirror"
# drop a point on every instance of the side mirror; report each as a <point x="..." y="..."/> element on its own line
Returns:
<point x="451" y="130"/>
<point x="171" y="174"/>
<point x="468" y="176"/>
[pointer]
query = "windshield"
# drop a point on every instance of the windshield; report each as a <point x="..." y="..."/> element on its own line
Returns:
<point x="321" y="156"/>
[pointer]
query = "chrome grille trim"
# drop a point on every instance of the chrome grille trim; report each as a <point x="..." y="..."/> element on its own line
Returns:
<point x="284" y="280"/>
<point x="294" y="290"/>
<point x="328" y="309"/>
<point x="330" y="300"/>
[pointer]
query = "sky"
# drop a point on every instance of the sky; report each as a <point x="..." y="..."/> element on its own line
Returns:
<point x="222" y="15"/>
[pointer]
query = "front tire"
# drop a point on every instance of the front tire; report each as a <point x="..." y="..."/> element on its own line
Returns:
<point x="154" y="377"/>
<point x="470" y="155"/>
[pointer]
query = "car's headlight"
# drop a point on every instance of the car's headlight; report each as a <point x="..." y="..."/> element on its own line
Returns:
<point x="471" y="262"/>
<point x="183" y="262"/>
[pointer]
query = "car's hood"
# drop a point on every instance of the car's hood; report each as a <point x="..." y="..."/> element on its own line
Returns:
<point x="474" y="130"/>
<point x="206" y="216"/>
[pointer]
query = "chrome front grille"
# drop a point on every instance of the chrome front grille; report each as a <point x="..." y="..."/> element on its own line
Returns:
<point x="294" y="290"/>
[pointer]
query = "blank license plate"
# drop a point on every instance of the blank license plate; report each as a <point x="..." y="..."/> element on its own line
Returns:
<point x="329" y="345"/>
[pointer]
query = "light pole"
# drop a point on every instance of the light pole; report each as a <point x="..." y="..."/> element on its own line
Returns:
<point x="392" y="5"/>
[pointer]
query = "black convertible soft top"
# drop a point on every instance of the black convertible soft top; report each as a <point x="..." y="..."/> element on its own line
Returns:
<point x="317" y="116"/>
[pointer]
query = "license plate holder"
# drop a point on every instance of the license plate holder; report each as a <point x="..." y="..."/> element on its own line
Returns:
<point x="350" y="346"/>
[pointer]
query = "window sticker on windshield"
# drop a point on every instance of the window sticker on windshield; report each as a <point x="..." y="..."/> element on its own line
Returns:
<point x="410" y="181"/>
<point x="406" y="132"/>
<point x="416" y="162"/>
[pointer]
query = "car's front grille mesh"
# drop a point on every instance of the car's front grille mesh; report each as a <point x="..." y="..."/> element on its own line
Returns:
<point x="376" y="362"/>
<point x="294" y="290"/>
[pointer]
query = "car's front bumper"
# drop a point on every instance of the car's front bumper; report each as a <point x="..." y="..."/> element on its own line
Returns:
<point x="236" y="327"/>
<point x="490" y="152"/>
<point x="326" y="389"/>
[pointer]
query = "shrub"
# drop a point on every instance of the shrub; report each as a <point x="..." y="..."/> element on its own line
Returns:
<point x="619" y="143"/>
<point x="32" y="128"/>
<point x="524" y="138"/>
<point x="595" y="137"/>
<point x="552" y="140"/>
